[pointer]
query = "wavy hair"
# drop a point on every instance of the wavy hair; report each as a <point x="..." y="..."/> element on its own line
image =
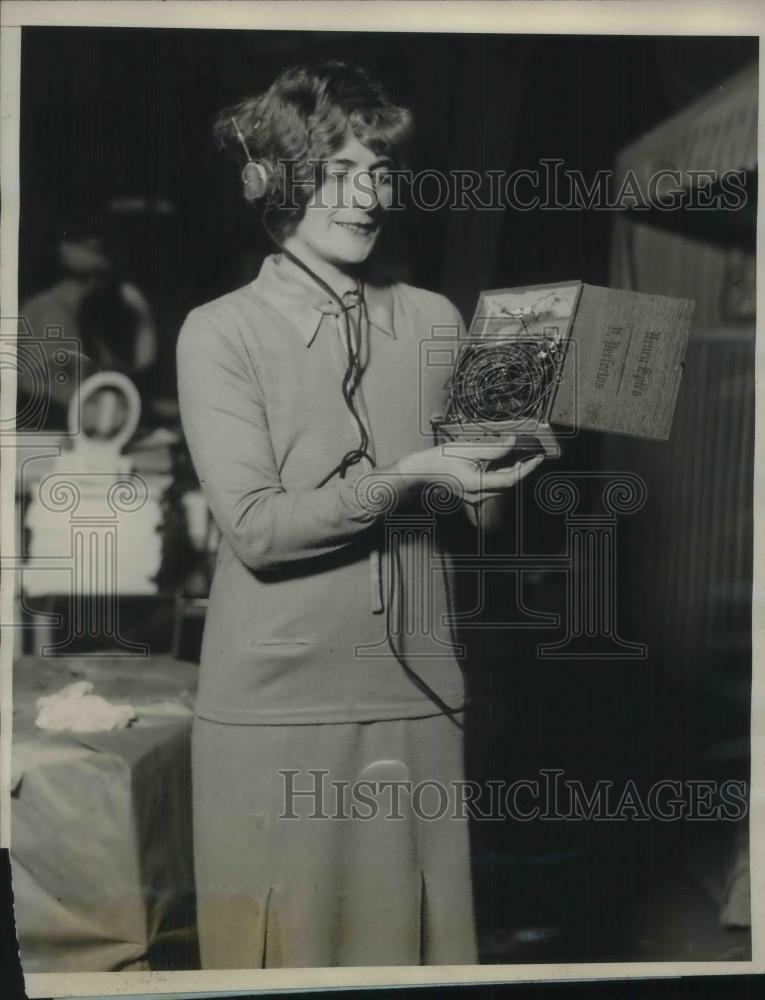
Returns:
<point x="303" y="118"/>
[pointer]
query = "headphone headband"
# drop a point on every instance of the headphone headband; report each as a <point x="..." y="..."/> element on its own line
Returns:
<point x="241" y="138"/>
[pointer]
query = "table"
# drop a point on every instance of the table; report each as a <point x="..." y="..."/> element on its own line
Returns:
<point x="101" y="822"/>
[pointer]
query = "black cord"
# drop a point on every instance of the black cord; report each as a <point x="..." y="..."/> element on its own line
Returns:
<point x="415" y="678"/>
<point x="350" y="380"/>
<point x="352" y="371"/>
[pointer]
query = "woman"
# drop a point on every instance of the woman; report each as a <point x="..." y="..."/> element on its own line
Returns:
<point x="301" y="397"/>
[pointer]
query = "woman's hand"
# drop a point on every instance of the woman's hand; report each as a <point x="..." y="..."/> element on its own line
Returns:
<point x="466" y="463"/>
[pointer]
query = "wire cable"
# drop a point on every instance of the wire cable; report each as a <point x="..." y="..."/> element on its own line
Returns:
<point x="353" y="371"/>
<point x="351" y="379"/>
<point x="395" y="577"/>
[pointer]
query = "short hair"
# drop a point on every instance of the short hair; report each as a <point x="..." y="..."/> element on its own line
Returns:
<point x="304" y="117"/>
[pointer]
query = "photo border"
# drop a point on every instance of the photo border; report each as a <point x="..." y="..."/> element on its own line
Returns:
<point x="644" y="17"/>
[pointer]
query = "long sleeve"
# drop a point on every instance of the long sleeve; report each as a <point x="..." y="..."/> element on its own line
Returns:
<point x="226" y="429"/>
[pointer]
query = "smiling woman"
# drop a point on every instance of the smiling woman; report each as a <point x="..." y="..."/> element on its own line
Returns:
<point x="331" y="120"/>
<point x="342" y="224"/>
<point x="325" y="645"/>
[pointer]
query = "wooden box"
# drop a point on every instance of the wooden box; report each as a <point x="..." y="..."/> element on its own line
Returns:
<point x="568" y="355"/>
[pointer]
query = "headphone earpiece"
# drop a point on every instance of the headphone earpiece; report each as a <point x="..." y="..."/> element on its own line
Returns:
<point x="256" y="178"/>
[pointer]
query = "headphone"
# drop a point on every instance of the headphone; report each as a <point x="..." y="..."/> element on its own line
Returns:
<point x="257" y="175"/>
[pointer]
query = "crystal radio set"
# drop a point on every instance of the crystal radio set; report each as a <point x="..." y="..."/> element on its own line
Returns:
<point x="569" y="355"/>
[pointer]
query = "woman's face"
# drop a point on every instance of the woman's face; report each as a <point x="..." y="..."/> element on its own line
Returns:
<point x="342" y="222"/>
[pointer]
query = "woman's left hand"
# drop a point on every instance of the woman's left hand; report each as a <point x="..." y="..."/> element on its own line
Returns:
<point x="490" y="502"/>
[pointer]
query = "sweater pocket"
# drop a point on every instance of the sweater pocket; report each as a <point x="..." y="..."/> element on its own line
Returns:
<point x="271" y="643"/>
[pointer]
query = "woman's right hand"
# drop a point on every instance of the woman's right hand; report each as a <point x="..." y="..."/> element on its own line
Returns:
<point x="466" y="463"/>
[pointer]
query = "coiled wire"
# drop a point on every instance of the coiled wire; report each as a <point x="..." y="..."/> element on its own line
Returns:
<point x="502" y="380"/>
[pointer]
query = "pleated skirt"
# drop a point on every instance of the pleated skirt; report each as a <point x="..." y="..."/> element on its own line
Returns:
<point x="305" y="857"/>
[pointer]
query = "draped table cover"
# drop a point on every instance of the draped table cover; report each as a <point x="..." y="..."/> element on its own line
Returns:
<point x="101" y="822"/>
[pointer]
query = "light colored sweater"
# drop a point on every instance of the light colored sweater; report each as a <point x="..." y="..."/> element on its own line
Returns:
<point x="292" y="632"/>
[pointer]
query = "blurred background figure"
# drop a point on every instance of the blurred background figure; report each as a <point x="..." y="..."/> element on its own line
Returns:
<point x="87" y="320"/>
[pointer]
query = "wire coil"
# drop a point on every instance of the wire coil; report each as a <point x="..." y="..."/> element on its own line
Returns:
<point x="503" y="380"/>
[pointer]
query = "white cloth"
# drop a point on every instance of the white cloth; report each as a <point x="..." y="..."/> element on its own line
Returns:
<point x="75" y="709"/>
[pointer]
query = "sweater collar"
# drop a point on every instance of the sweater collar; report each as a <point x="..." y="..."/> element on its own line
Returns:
<point x="290" y="291"/>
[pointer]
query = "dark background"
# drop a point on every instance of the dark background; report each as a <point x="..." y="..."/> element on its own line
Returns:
<point x="121" y="113"/>
<point x="127" y="113"/>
